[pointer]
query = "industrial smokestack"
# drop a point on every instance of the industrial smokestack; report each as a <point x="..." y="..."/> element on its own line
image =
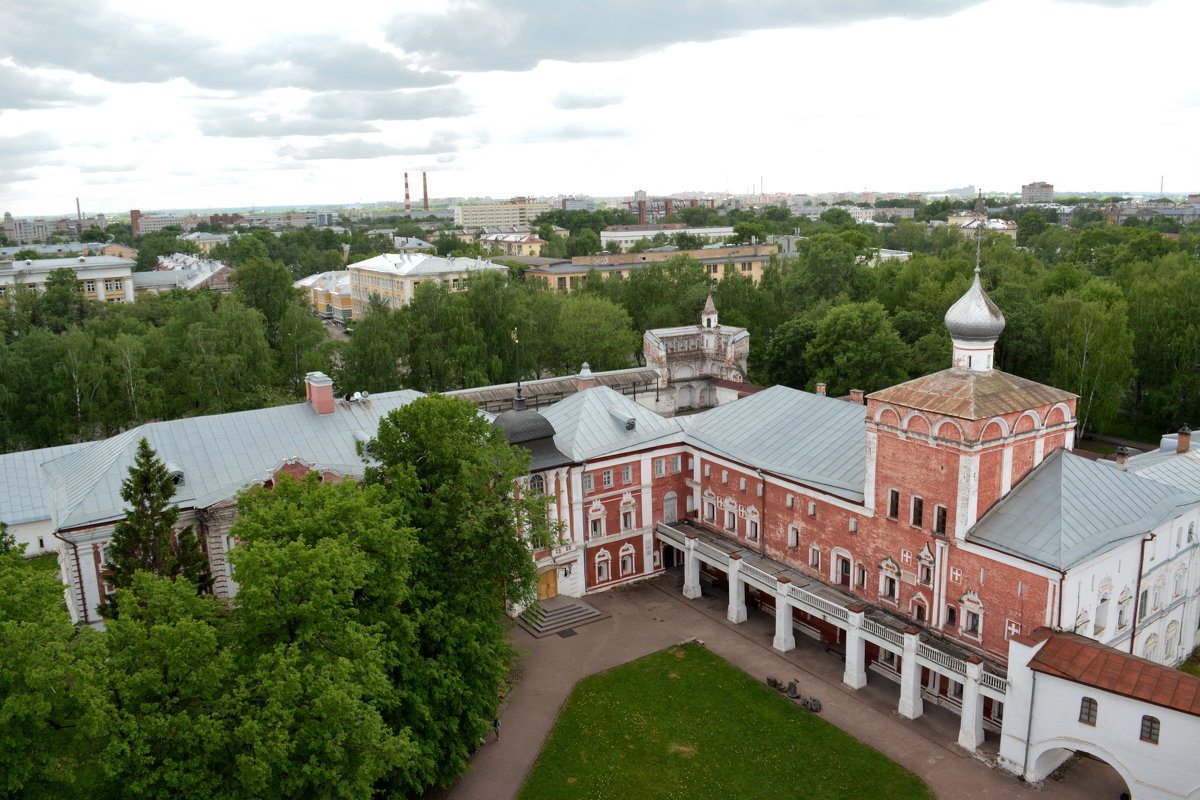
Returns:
<point x="407" y="204"/>
<point x="78" y="213"/>
<point x="425" y="188"/>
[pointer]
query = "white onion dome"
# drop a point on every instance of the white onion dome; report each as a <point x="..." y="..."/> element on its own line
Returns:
<point x="975" y="317"/>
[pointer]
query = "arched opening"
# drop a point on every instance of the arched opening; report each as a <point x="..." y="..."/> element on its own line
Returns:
<point x="1102" y="775"/>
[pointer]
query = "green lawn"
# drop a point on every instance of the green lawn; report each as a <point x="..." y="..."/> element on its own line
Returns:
<point x="683" y="723"/>
<point x="46" y="563"/>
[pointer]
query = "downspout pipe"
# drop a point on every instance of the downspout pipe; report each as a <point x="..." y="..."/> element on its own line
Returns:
<point x="78" y="577"/>
<point x="1137" y="592"/>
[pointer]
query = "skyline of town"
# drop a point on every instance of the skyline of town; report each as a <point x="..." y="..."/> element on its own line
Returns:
<point x="495" y="98"/>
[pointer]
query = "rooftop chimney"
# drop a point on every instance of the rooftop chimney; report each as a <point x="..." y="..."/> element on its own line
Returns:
<point x="1122" y="457"/>
<point x="584" y="379"/>
<point x="821" y="389"/>
<point x="1184" y="442"/>
<point x="856" y="396"/>
<point x="318" y="390"/>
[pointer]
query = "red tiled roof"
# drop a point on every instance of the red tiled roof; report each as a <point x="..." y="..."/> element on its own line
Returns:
<point x="1075" y="658"/>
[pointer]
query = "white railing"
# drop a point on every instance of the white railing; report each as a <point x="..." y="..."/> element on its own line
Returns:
<point x="994" y="682"/>
<point x="946" y="660"/>
<point x="754" y="572"/>
<point x="820" y="603"/>
<point x="883" y="632"/>
<point x="712" y="552"/>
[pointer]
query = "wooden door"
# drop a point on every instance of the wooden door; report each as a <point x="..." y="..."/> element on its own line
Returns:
<point x="548" y="584"/>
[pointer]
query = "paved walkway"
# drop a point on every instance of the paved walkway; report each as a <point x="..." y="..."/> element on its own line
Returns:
<point x="651" y="615"/>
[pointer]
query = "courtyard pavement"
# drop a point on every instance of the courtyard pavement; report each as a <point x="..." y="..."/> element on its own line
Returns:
<point x="651" y="615"/>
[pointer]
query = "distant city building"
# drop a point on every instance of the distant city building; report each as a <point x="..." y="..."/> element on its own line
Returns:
<point x="518" y="211"/>
<point x="28" y="231"/>
<point x="394" y="277"/>
<point x="104" y="278"/>
<point x="513" y="244"/>
<point x="328" y="294"/>
<point x="140" y="223"/>
<point x="628" y="235"/>
<point x="204" y="241"/>
<point x="1037" y="192"/>
<point x="747" y="260"/>
<point x="577" y="203"/>
<point x="651" y="209"/>
<point x="178" y="271"/>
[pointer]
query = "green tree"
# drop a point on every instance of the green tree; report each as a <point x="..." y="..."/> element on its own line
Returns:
<point x="93" y="235"/>
<point x="52" y="715"/>
<point x="454" y="473"/>
<point x="1029" y="225"/>
<point x="856" y="347"/>
<point x="594" y="330"/>
<point x="266" y="286"/>
<point x="146" y="540"/>
<point x="1091" y="350"/>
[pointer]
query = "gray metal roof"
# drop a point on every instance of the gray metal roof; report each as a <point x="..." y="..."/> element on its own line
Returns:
<point x="24" y="495"/>
<point x="1071" y="509"/>
<point x="1165" y="465"/>
<point x="594" y="422"/>
<point x="218" y="455"/>
<point x="819" y="441"/>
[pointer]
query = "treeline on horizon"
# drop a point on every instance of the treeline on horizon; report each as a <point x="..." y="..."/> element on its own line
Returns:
<point x="1111" y="313"/>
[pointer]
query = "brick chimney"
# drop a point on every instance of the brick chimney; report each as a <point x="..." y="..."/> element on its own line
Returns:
<point x="856" y="396"/>
<point x="1184" y="442"/>
<point x="1122" y="457"/>
<point x="318" y="390"/>
<point x="821" y="387"/>
<point x="584" y="380"/>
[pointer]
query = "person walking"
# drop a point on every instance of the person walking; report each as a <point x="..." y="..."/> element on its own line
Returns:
<point x="496" y="727"/>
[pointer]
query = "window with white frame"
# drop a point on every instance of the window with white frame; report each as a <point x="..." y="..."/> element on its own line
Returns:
<point x="628" y="520"/>
<point x="852" y="525"/>
<point x="889" y="581"/>
<point x="626" y="474"/>
<point x="918" y="611"/>
<point x="627" y="560"/>
<point x="893" y="509"/>
<point x="793" y="536"/>
<point x="606" y="479"/>
<point x="730" y="520"/>
<point x="752" y="530"/>
<point x="742" y="484"/>
<point x="676" y="464"/>
<point x="791" y="501"/>
<point x="660" y="468"/>
<point x="537" y="485"/>
<point x="1123" y="609"/>
<point x="710" y="511"/>
<point x="708" y="470"/>
<point x="812" y="508"/>
<point x="925" y="574"/>
<point x="814" y="557"/>
<point x="860" y="576"/>
<point x="603" y="571"/>
<point x="588" y="483"/>
<point x="596" y="520"/>
<point x="724" y="476"/>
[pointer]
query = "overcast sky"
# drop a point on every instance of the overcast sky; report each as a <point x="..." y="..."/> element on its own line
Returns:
<point x="128" y="104"/>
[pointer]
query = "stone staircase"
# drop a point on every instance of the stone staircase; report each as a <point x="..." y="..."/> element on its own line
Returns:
<point x="557" y="615"/>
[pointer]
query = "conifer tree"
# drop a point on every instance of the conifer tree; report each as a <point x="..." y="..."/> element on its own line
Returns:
<point x="146" y="540"/>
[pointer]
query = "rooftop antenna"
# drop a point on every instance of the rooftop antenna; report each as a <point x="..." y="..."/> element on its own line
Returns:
<point x="518" y="402"/>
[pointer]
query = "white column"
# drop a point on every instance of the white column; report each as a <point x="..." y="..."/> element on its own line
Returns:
<point x="1006" y="469"/>
<point x="911" y="705"/>
<point x="1039" y="450"/>
<point x="785" y="639"/>
<point x="970" y="725"/>
<point x="855" y="675"/>
<point x="691" y="569"/>
<point x="737" y="591"/>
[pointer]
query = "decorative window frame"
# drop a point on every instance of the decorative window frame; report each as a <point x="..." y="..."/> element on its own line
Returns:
<point x="628" y="560"/>
<point x="603" y="566"/>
